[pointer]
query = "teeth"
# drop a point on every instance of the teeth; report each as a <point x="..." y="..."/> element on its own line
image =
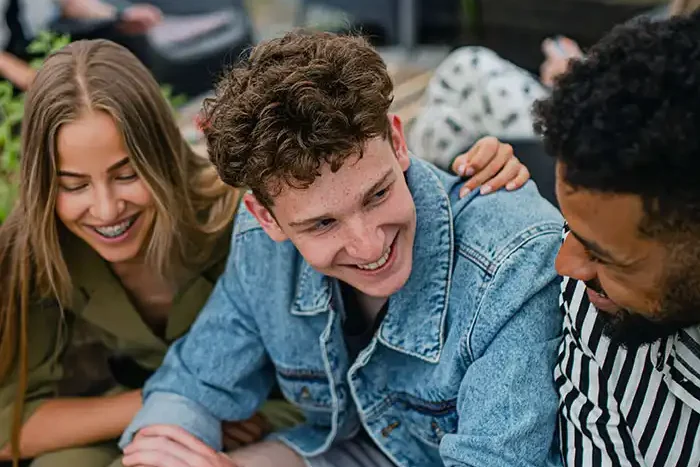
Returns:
<point x="377" y="264"/>
<point x="113" y="231"/>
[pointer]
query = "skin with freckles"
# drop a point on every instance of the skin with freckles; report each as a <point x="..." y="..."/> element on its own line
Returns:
<point x="357" y="224"/>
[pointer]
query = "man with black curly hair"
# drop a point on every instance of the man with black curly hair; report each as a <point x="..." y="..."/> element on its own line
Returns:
<point x="623" y="124"/>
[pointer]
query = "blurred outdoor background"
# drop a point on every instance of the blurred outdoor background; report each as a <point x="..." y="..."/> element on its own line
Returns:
<point x="191" y="40"/>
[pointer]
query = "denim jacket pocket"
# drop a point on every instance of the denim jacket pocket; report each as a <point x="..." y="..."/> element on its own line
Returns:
<point x="309" y="390"/>
<point x="429" y="421"/>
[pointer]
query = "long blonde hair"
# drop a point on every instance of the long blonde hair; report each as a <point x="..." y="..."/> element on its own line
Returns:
<point x="194" y="207"/>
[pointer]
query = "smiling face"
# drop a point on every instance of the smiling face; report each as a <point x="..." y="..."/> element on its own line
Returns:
<point x="357" y="224"/>
<point x="101" y="198"/>
<point x="647" y="289"/>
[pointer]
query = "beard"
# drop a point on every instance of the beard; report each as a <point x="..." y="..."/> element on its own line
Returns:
<point x="679" y="309"/>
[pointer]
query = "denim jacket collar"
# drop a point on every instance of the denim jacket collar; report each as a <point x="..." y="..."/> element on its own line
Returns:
<point x="415" y="320"/>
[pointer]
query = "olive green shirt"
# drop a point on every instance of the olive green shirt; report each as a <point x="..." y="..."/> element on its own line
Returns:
<point x="77" y="354"/>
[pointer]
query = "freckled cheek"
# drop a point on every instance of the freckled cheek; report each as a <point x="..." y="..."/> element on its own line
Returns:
<point x="400" y="211"/>
<point x="321" y="253"/>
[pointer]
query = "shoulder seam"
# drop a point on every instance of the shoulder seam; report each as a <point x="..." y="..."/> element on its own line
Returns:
<point x="489" y="263"/>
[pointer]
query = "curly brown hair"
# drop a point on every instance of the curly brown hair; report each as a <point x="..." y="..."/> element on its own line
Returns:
<point x="297" y="102"/>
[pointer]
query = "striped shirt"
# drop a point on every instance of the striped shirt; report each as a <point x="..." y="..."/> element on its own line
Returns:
<point x="622" y="407"/>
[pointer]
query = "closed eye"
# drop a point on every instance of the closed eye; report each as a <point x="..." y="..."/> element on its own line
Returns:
<point x="128" y="177"/>
<point x="593" y="258"/>
<point x="73" y="189"/>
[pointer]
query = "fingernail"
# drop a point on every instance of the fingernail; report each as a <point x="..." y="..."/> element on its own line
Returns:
<point x="469" y="172"/>
<point x="460" y="169"/>
<point x="485" y="190"/>
<point x="510" y="186"/>
<point x="464" y="192"/>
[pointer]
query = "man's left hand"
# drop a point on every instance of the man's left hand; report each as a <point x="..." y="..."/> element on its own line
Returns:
<point x="171" y="446"/>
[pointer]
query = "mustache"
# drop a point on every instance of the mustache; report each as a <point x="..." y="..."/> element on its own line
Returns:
<point x="595" y="286"/>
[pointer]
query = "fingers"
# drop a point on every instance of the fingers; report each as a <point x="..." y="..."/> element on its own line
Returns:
<point x="177" y="434"/>
<point x="243" y="433"/>
<point x="512" y="176"/>
<point x="237" y="434"/>
<point x="261" y="424"/>
<point x="550" y="49"/>
<point x="570" y="47"/>
<point x="158" y="451"/>
<point x="494" y="166"/>
<point x="507" y="177"/>
<point x="519" y="180"/>
<point x="459" y="165"/>
<point x="470" y="162"/>
<point x="551" y="69"/>
<point x="152" y="459"/>
<point x="495" y="161"/>
<point x="479" y="156"/>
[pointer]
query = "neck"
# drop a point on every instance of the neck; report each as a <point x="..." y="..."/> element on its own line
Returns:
<point x="128" y="268"/>
<point x="370" y="306"/>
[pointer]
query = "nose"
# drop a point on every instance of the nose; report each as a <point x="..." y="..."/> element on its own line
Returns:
<point x="106" y="206"/>
<point x="364" y="241"/>
<point x="574" y="262"/>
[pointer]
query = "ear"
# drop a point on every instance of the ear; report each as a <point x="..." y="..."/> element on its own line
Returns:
<point x="398" y="140"/>
<point x="265" y="218"/>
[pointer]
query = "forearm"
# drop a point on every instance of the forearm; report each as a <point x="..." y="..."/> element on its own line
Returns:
<point x="87" y="9"/>
<point x="64" y="423"/>
<point x="17" y="71"/>
<point x="266" y="453"/>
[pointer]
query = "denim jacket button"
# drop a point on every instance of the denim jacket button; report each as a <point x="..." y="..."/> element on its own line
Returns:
<point x="305" y="393"/>
<point x="386" y="431"/>
<point x="437" y="430"/>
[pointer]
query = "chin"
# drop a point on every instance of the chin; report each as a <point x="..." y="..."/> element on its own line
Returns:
<point x="386" y="287"/>
<point x="116" y="256"/>
<point x="381" y="291"/>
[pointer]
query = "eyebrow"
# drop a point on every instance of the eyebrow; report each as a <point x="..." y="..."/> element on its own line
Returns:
<point x="593" y="246"/>
<point x="113" y="167"/>
<point x="368" y="193"/>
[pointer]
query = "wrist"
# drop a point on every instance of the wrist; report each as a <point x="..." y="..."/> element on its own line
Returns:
<point x="130" y="399"/>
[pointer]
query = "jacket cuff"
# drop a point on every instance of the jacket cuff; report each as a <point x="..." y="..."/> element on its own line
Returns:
<point x="162" y="408"/>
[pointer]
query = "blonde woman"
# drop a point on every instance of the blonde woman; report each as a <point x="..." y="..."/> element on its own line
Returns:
<point x="116" y="242"/>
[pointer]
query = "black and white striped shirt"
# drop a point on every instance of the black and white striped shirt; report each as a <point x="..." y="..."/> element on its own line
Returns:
<point x="620" y="407"/>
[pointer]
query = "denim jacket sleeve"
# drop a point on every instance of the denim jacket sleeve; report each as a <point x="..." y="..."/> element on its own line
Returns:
<point x="218" y="371"/>
<point x="507" y="401"/>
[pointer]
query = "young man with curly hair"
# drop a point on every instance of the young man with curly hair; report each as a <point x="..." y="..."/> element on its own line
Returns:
<point x="413" y="328"/>
<point x="624" y="125"/>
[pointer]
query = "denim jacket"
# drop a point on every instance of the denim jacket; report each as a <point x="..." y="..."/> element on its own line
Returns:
<point x="459" y="373"/>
